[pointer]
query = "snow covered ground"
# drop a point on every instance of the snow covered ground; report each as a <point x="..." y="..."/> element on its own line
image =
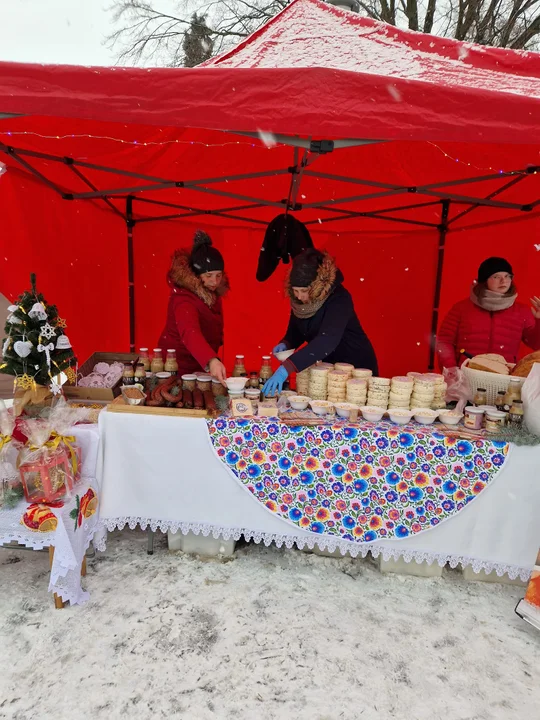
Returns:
<point x="271" y="634"/>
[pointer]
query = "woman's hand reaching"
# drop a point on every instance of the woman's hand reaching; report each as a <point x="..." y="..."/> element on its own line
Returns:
<point x="217" y="370"/>
<point x="535" y="307"/>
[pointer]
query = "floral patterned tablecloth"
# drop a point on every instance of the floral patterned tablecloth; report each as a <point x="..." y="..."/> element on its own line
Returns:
<point x="361" y="483"/>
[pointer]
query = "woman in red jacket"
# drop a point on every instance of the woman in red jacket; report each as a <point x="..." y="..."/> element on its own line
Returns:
<point x="490" y="320"/>
<point x="194" y="326"/>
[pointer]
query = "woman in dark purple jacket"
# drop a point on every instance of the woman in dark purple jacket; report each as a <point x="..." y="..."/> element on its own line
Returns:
<point x="323" y="316"/>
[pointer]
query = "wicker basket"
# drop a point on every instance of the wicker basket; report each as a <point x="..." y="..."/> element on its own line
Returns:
<point x="492" y="382"/>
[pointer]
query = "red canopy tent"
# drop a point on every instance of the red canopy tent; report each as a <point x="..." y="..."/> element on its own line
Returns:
<point x="410" y="158"/>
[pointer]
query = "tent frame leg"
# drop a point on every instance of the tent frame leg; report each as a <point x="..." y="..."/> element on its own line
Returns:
<point x="130" y="224"/>
<point x="443" y="230"/>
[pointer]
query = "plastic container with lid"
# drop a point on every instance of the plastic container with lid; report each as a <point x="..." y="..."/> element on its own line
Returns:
<point x="474" y="417"/>
<point x="204" y="382"/>
<point x="144" y="358"/>
<point x="189" y="382"/>
<point x="218" y="390"/>
<point x="162" y="377"/>
<point x="495" y="420"/>
<point x="157" y="365"/>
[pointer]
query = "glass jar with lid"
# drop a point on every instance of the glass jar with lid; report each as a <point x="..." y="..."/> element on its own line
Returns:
<point x="157" y="365"/>
<point x="128" y="376"/>
<point x="239" y="367"/>
<point x="144" y="359"/>
<point x="513" y="393"/>
<point x="480" y="397"/>
<point x="140" y="373"/>
<point x="265" y="373"/>
<point x="171" y="364"/>
<point x="515" y="416"/>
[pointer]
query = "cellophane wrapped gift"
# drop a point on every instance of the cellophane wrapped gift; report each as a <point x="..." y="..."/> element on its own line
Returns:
<point x="10" y="483"/>
<point x="44" y="464"/>
<point x="63" y="418"/>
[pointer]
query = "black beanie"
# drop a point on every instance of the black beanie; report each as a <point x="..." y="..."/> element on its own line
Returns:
<point x="305" y="267"/>
<point x="205" y="258"/>
<point x="491" y="266"/>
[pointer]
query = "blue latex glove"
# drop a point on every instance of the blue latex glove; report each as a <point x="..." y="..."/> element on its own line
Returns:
<point x="276" y="382"/>
<point x="280" y="348"/>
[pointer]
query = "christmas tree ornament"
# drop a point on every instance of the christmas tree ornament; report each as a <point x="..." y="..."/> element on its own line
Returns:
<point x="14" y="320"/>
<point x="71" y="375"/>
<point x="47" y="349"/>
<point x="24" y="382"/>
<point x="63" y="343"/>
<point x="47" y="331"/>
<point x="6" y="345"/>
<point x="23" y="348"/>
<point x="37" y="312"/>
<point x="12" y="308"/>
<point x="56" y="388"/>
<point x="61" y="323"/>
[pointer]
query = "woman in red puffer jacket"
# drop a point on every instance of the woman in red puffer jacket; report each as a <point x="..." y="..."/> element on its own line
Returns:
<point x="194" y="326"/>
<point x="490" y="320"/>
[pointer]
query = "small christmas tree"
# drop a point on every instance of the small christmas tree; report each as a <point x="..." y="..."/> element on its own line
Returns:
<point x="36" y="349"/>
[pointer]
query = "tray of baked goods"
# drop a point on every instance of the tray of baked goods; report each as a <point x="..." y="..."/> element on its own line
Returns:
<point x="167" y="398"/>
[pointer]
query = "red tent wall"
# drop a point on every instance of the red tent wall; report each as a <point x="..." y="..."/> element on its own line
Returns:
<point x="78" y="252"/>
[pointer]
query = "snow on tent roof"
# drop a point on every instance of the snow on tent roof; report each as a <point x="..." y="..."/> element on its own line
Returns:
<point x="311" y="33"/>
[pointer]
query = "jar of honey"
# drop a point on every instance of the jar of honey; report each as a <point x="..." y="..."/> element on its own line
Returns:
<point x="171" y="365"/>
<point x="140" y="374"/>
<point x="157" y="365"/>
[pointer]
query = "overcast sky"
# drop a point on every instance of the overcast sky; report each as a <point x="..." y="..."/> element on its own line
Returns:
<point x="55" y="31"/>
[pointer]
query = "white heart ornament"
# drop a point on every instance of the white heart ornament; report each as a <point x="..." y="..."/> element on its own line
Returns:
<point x="23" y="348"/>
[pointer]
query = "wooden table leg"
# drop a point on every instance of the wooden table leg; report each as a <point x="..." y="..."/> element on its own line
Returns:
<point x="83" y="567"/>
<point x="58" y="602"/>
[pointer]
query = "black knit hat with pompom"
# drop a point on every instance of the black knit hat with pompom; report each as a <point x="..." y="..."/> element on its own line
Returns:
<point x="205" y="258"/>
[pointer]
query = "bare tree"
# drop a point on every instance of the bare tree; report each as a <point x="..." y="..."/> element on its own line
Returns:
<point x="198" y="44"/>
<point x="147" y="34"/>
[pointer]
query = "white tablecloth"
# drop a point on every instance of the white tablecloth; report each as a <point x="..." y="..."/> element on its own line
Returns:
<point x="162" y="472"/>
<point x="70" y="541"/>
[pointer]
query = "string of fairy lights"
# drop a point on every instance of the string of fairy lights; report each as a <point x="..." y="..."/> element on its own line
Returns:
<point x="266" y="143"/>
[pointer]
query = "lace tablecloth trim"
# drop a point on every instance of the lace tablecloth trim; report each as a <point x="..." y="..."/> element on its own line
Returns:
<point x="302" y="541"/>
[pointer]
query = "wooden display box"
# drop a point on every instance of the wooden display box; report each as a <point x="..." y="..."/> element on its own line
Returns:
<point x="73" y="392"/>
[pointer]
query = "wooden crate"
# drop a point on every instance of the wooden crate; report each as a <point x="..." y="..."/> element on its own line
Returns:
<point x="73" y="392"/>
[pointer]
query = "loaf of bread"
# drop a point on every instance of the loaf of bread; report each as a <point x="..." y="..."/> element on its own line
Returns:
<point x="523" y="368"/>
<point x="489" y="362"/>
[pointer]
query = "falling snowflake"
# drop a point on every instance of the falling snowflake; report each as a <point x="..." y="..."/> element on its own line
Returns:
<point x="536" y="246"/>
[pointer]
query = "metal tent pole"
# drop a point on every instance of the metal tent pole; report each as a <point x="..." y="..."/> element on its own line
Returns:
<point x="130" y="224"/>
<point x="443" y="229"/>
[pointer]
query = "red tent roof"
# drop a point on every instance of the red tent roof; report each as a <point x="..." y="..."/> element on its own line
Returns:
<point x="312" y="67"/>
<point x="460" y="131"/>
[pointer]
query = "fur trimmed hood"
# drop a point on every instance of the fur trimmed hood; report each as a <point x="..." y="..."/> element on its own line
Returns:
<point x="329" y="276"/>
<point x="182" y="277"/>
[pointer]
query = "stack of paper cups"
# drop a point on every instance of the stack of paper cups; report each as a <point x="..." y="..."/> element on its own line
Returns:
<point x="357" y="391"/>
<point x="401" y="390"/>
<point x="423" y="393"/>
<point x="379" y="391"/>
<point x="337" y="386"/>
<point x="362" y="373"/>
<point x="318" y="383"/>
<point x="302" y="382"/>
<point x="439" y="399"/>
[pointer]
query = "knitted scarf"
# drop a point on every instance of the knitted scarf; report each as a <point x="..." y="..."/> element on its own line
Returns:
<point x="303" y="311"/>
<point x="492" y="301"/>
